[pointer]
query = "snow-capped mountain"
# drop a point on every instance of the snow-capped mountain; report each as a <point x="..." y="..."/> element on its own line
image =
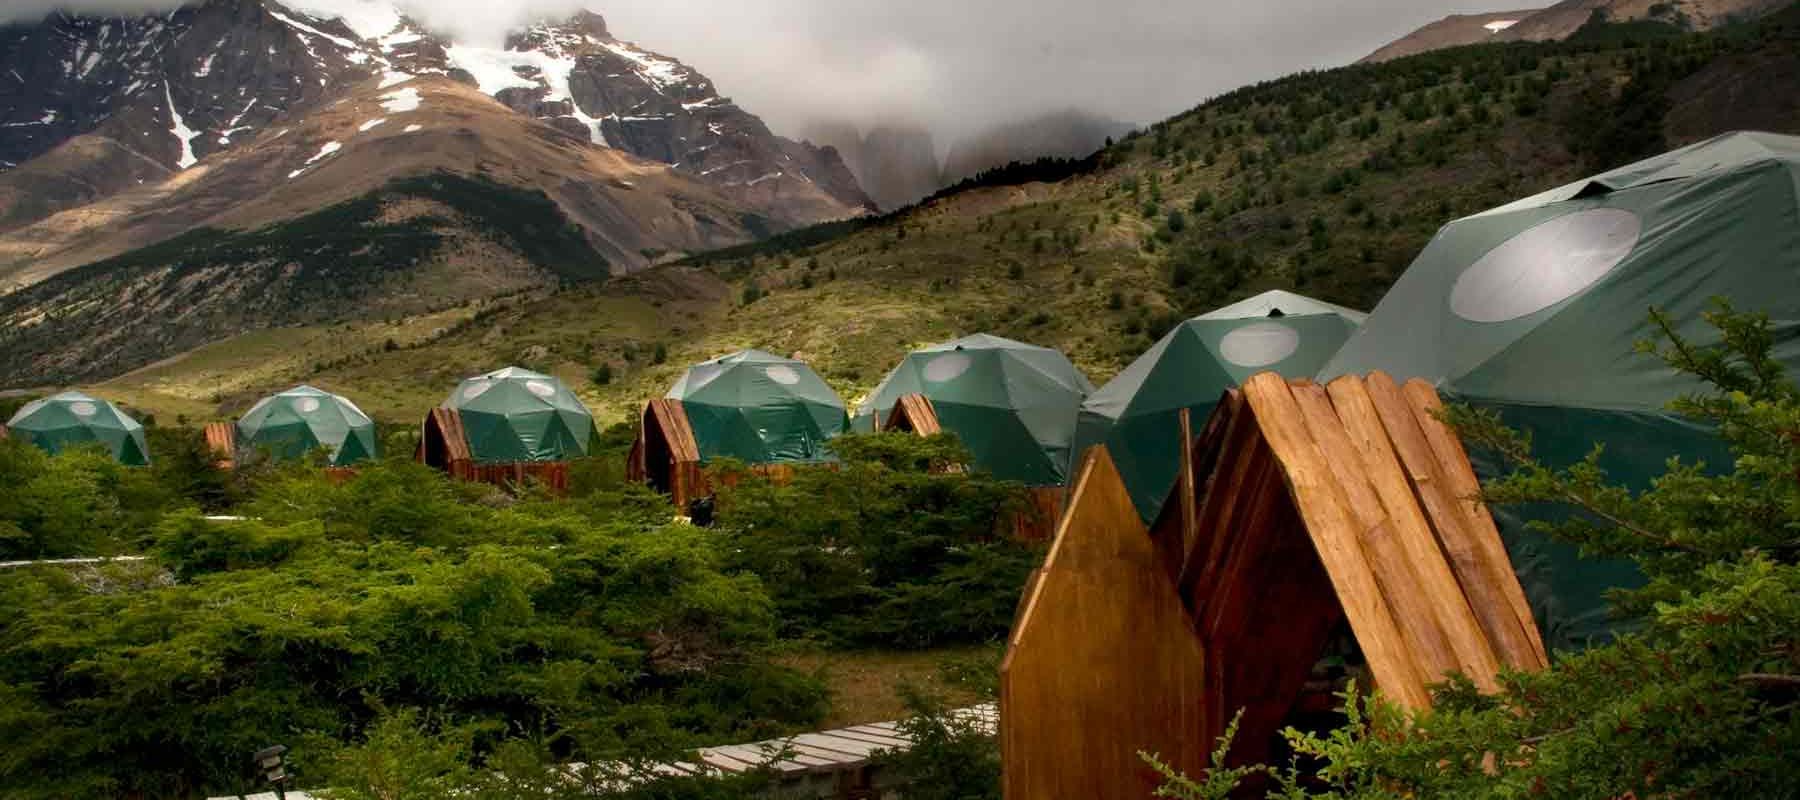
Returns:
<point x="165" y="91"/>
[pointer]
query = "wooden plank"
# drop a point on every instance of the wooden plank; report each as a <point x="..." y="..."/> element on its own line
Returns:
<point x="1448" y="606"/>
<point x="1278" y="614"/>
<point x="845" y="746"/>
<point x="724" y="762"/>
<point x="1334" y="537"/>
<point x="1174" y="534"/>
<point x="1412" y="602"/>
<point x="829" y="756"/>
<point x="1225" y="486"/>
<point x="870" y="738"/>
<point x="1460" y="474"/>
<point x="757" y="755"/>
<point x="1450" y="524"/>
<point x="1103" y="663"/>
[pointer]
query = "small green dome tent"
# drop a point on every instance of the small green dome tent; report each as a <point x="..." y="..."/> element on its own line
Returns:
<point x="1532" y="308"/>
<point x="760" y="408"/>
<point x="303" y="419"/>
<point x="1136" y="415"/>
<point x="515" y="415"/>
<point x="1012" y="404"/>
<point x="72" y="419"/>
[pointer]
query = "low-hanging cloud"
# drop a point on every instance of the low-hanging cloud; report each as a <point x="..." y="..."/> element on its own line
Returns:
<point x="952" y="65"/>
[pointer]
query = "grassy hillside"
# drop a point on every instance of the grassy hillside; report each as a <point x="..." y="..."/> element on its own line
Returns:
<point x="1324" y="183"/>
<point x="404" y="250"/>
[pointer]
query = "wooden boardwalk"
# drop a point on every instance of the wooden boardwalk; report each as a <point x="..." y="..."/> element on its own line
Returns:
<point x="822" y="764"/>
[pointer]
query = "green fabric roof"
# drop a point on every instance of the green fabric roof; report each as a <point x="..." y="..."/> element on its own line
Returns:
<point x="303" y="419"/>
<point x="1012" y="404"/>
<point x="513" y="415"/>
<point x="760" y="408"/>
<point x="1532" y="308"/>
<point x="72" y="419"/>
<point x="1137" y="414"/>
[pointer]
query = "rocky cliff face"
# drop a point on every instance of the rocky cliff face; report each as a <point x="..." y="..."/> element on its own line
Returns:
<point x="895" y="163"/>
<point x="575" y="75"/>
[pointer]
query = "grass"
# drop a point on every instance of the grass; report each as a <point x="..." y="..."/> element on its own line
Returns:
<point x="866" y="685"/>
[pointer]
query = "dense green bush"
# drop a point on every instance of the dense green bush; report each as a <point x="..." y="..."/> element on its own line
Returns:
<point x="590" y="627"/>
<point x="79" y="504"/>
<point x="900" y="545"/>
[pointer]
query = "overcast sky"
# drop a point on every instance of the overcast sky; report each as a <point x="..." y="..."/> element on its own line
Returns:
<point x="959" y="65"/>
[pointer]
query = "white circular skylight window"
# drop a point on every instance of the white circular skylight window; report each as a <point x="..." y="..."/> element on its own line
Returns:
<point x="1545" y="265"/>
<point x="306" y="405"/>
<point x="84" y="409"/>
<point x="1260" y="344"/>
<point x="540" y="388"/>
<point x="783" y="374"/>
<point x="476" y="389"/>
<point x="947" y="367"/>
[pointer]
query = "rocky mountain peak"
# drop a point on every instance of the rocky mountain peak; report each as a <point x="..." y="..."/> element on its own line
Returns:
<point x="174" y="88"/>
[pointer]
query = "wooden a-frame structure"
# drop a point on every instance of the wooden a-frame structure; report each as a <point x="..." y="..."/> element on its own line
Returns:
<point x="1298" y="506"/>
<point x="666" y="456"/>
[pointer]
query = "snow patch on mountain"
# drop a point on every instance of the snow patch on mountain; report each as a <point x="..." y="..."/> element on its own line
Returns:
<point x="312" y="31"/>
<point x="370" y="19"/>
<point x="179" y="128"/>
<point x="401" y="101"/>
<point x="655" y="70"/>
<point x="498" y="70"/>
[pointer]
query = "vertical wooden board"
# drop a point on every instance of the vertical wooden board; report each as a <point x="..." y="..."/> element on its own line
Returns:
<point x="1103" y="662"/>
<point x="1414" y="604"/>
<point x="1253" y="488"/>
<point x="1333" y="535"/>
<point x="1241" y="452"/>
<point x="1277" y="615"/>
<point x="1501" y="623"/>
<point x="1460" y="475"/>
<point x="1475" y="654"/>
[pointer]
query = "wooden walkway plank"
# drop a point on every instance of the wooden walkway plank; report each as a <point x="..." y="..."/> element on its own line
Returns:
<point x="1450" y="608"/>
<point x="1460" y="475"/>
<point x="1329" y="525"/>
<point x="1450" y="523"/>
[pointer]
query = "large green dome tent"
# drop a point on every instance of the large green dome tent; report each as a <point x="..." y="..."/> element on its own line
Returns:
<point x="72" y="419"/>
<point x="1532" y="309"/>
<point x="515" y="415"/>
<point x="760" y="408"/>
<point x="1012" y="404"/>
<point x="1136" y="415"/>
<point x="300" y="420"/>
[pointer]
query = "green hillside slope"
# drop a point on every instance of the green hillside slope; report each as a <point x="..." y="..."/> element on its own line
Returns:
<point x="1324" y="183"/>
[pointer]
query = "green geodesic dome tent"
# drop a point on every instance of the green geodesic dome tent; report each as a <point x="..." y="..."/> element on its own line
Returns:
<point x="1137" y="414"/>
<point x="760" y="408"/>
<point x="1532" y="308"/>
<point x="72" y="419"/>
<point x="303" y="419"/>
<point x="1012" y="404"/>
<point x="515" y="415"/>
